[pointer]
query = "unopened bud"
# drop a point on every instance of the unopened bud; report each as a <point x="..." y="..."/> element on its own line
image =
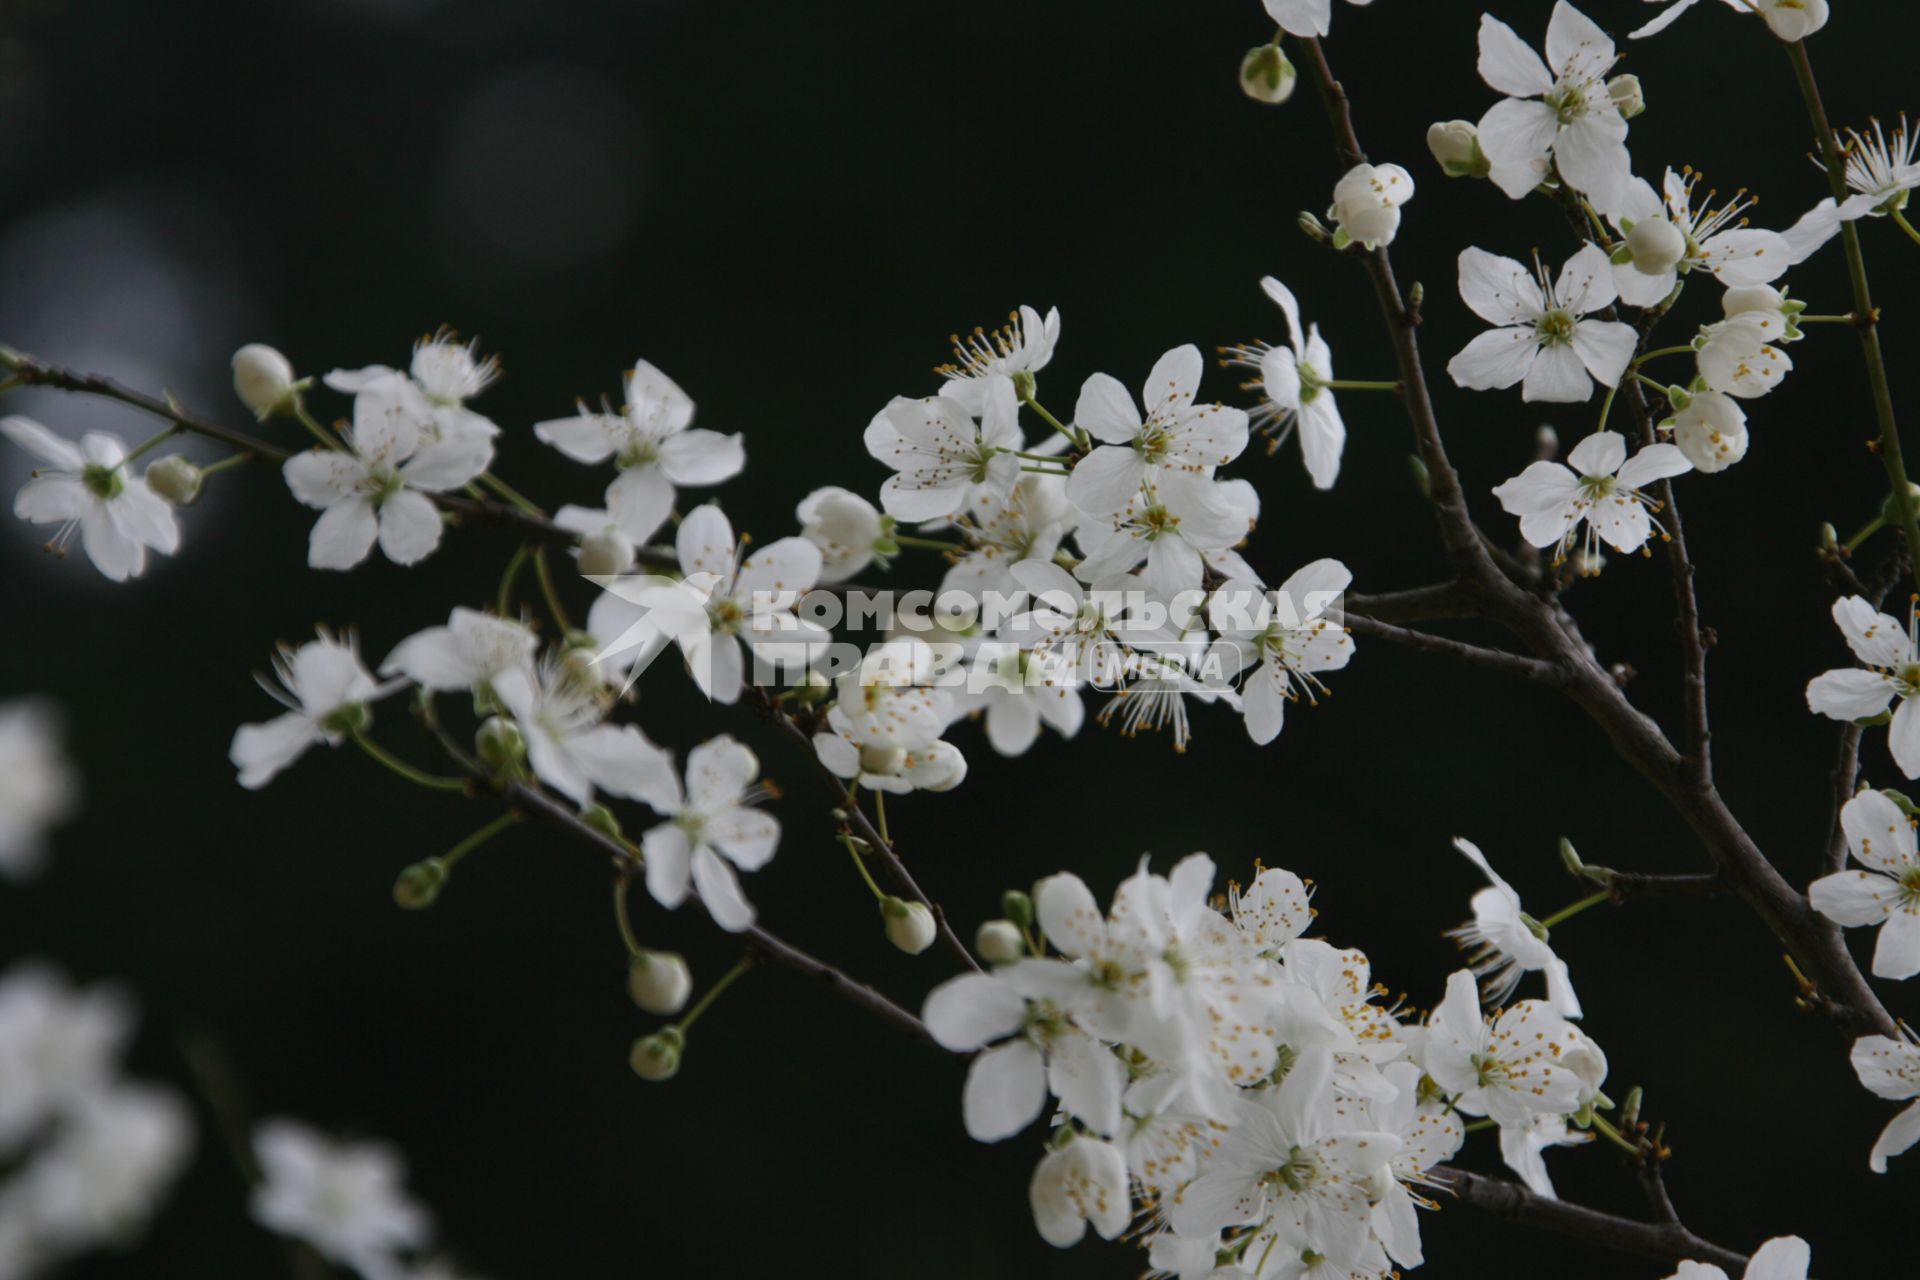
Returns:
<point x="813" y="689"/>
<point x="1456" y="145"/>
<point x="1546" y="444"/>
<point x="1017" y="907"/>
<point x="1571" y="857"/>
<point x="659" y="982"/>
<point x="1829" y="539"/>
<point x="263" y="379"/>
<point x="1266" y="75"/>
<point x="606" y="554"/>
<point x="419" y="885"/>
<point x="1315" y="229"/>
<point x="1422" y="478"/>
<point x="1627" y="95"/>
<point x="500" y="744"/>
<point x="175" y="479"/>
<point x="910" y="925"/>
<point x="1630" y="1109"/>
<point x="999" y="942"/>
<point x="657" y="1057"/>
<point x="601" y="819"/>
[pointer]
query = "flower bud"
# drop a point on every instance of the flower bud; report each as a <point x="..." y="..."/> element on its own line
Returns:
<point x="657" y="1057"/>
<point x="419" y="885"/>
<point x="500" y="744"/>
<point x="1546" y="444"/>
<point x="1456" y="145"/>
<point x="1018" y="908"/>
<point x="263" y="379"/>
<point x="813" y="689"/>
<point x="1656" y="245"/>
<point x="606" y="554"/>
<point x="1627" y="95"/>
<point x="1752" y="297"/>
<point x="1266" y="75"/>
<point x="659" y="982"/>
<point x="999" y="942"/>
<point x="175" y="479"/>
<point x="601" y="819"/>
<point x="1793" y="19"/>
<point x="910" y="925"/>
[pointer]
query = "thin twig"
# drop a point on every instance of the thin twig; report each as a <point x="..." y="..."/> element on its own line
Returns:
<point x="1472" y="655"/>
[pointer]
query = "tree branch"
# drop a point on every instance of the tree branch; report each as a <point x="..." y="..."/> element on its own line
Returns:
<point x="33" y="372"/>
<point x="1537" y="623"/>
<point x="1502" y="1198"/>
<point x="1472" y="655"/>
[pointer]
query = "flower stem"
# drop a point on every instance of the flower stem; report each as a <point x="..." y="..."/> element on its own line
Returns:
<point x="621" y="918"/>
<point x="1874" y="526"/>
<point x="1900" y="220"/>
<point x="713" y="993"/>
<point x="1645" y="381"/>
<point x="511" y="494"/>
<point x="1047" y="471"/>
<point x="153" y="443"/>
<point x="860" y="864"/>
<point x="1055" y="423"/>
<point x="1867" y="318"/>
<point x="1569" y="912"/>
<point x="312" y="424"/>
<point x="478" y="838"/>
<point x="927" y="544"/>
<point x="503" y="603"/>
<point x="1805" y="320"/>
<point x="880" y="815"/>
<point x="1606" y="406"/>
<point x="420" y="777"/>
<point x="1606" y="1130"/>
<point x="554" y="606"/>
<point x="231" y="460"/>
<point x="1663" y="351"/>
<point x="1348" y="384"/>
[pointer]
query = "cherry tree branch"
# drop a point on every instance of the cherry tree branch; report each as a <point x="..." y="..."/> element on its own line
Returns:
<point x="1543" y="628"/>
<point x="1472" y="655"/>
<point x="1503" y="1198"/>
<point x="32" y="372"/>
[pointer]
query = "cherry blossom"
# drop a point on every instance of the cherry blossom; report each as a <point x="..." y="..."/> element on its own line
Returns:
<point x="1547" y="339"/>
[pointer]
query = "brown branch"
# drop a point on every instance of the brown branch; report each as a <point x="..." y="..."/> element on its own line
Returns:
<point x="32" y="372"/>
<point x="1416" y="604"/>
<point x="1540" y="627"/>
<point x="1502" y="1198"/>
<point x="1472" y="655"/>
<point x="537" y="802"/>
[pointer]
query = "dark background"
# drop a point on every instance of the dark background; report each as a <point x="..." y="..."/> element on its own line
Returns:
<point x="787" y="207"/>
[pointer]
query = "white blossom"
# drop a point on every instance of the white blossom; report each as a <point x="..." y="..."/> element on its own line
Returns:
<point x="1294" y="392"/>
<point x="942" y="459"/>
<point x="1666" y="236"/>
<point x="1015" y="693"/>
<point x="108" y="1167"/>
<point x="470" y="652"/>
<point x="1783" y="1257"/>
<point x="724" y="603"/>
<point x="380" y="484"/>
<point x="711" y="823"/>
<point x="1017" y="351"/>
<point x="1081" y="1184"/>
<point x="1177" y="433"/>
<point x="1736" y="356"/>
<point x="883" y="729"/>
<point x="571" y="748"/>
<point x="444" y="374"/>
<point x="88" y="487"/>
<point x="1547" y="339"/>
<point x="1178" y="523"/>
<point x="1304" y="17"/>
<point x="39" y="787"/>
<point x="1523" y="1062"/>
<point x="849" y="531"/>
<point x="325" y="688"/>
<point x="1504" y="945"/>
<point x="1890" y="1069"/>
<point x="1598" y="487"/>
<point x="1710" y="429"/>
<point x="347" y="1200"/>
<point x="1887" y="894"/>
<point x="58" y="1046"/>
<point x="1559" y="109"/>
<point x="1283" y="640"/>
<point x="1366" y="205"/>
<point x="1891" y="669"/>
<point x="653" y="444"/>
<point x="263" y="379"/>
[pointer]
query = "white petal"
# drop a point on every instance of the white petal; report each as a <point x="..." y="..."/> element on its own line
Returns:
<point x="973" y="1010"/>
<point x="410" y="527"/>
<point x="1508" y="63"/>
<point x="343" y="535"/>
<point x="1005" y="1089"/>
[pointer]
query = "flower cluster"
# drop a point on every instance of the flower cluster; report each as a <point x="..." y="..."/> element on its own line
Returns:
<point x="91" y="1153"/>
<point x="1240" y="1091"/>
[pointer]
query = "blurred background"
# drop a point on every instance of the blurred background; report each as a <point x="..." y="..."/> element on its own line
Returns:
<point x="788" y="207"/>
